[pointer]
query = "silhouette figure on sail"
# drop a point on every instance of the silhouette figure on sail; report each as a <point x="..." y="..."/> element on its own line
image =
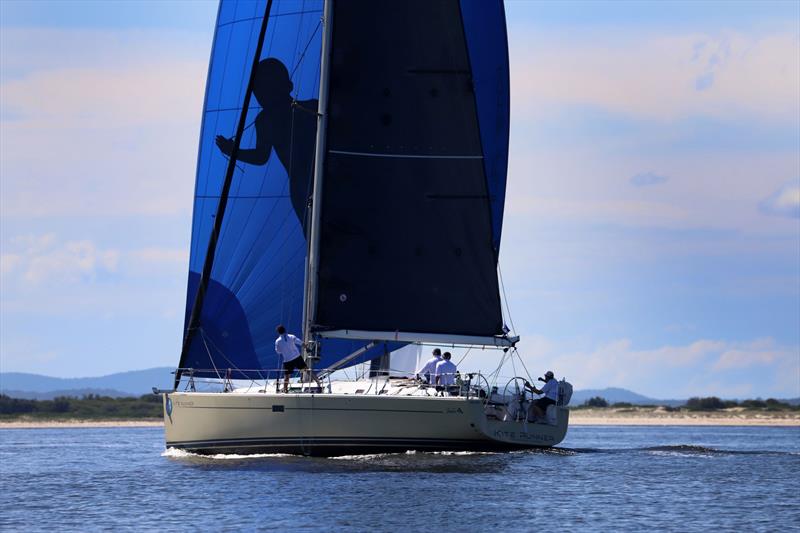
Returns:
<point x="285" y="125"/>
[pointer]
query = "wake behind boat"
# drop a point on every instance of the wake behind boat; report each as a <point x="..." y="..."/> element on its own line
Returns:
<point x="350" y="185"/>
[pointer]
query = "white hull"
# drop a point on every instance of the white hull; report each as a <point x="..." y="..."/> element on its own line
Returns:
<point x="340" y="424"/>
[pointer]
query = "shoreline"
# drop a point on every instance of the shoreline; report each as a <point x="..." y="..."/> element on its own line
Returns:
<point x="648" y="416"/>
<point x="80" y="423"/>
<point x="688" y="421"/>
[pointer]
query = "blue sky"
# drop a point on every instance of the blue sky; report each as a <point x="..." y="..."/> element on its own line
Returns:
<point x="652" y="235"/>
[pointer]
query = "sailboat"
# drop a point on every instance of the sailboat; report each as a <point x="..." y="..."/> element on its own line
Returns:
<point x="350" y="186"/>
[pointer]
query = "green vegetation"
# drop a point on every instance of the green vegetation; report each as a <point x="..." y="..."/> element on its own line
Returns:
<point x="597" y="401"/>
<point x="711" y="403"/>
<point x="88" y="407"/>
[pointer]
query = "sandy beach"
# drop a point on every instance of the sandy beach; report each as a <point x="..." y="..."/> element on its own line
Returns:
<point x="27" y="423"/>
<point x="648" y="416"/>
<point x="636" y="416"/>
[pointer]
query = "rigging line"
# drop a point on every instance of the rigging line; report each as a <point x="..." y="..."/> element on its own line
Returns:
<point x="282" y="284"/>
<point x="227" y="159"/>
<point x="303" y="53"/>
<point x="247" y="140"/>
<point x="296" y="105"/>
<point x="217" y="348"/>
<point x="523" y="364"/>
<point x="221" y="109"/>
<point x="494" y="375"/>
<point x="505" y="297"/>
<point x="294" y="70"/>
<point x="210" y="358"/>
<point x="297" y="35"/>
<point x="276" y="15"/>
<point x="513" y="366"/>
<point x="464" y="357"/>
<point x="255" y="197"/>
<point x="205" y="276"/>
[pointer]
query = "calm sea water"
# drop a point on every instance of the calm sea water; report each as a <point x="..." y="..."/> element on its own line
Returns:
<point x="625" y="478"/>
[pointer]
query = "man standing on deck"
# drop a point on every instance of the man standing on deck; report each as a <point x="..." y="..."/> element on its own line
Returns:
<point x="428" y="370"/>
<point x="445" y="372"/>
<point x="287" y="346"/>
<point x="539" y="407"/>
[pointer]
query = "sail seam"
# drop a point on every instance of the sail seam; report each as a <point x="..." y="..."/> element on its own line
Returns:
<point x="404" y="156"/>
<point x="276" y="15"/>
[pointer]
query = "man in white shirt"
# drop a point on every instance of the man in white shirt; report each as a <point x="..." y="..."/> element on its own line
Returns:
<point x="287" y="346"/>
<point x="428" y="370"/>
<point x="550" y="390"/>
<point x="445" y="371"/>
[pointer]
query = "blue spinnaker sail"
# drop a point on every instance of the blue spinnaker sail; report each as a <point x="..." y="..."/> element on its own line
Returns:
<point x="258" y="268"/>
<point x="487" y="42"/>
<point x="257" y="279"/>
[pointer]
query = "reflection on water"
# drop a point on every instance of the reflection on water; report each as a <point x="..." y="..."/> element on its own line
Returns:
<point x="624" y="478"/>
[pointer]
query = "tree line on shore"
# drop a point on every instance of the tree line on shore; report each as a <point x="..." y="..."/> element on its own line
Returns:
<point x="90" y="406"/>
<point x="710" y="403"/>
<point x="93" y="406"/>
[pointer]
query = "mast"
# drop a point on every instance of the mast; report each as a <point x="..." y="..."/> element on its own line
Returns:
<point x="205" y="277"/>
<point x="312" y="267"/>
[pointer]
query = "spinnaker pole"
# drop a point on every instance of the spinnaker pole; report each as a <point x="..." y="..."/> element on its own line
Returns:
<point x="312" y="267"/>
<point x="205" y="276"/>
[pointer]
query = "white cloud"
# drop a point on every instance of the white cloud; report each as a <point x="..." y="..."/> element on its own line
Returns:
<point x="106" y="132"/>
<point x="157" y="262"/>
<point x="761" y="352"/>
<point x="664" y="77"/>
<point x="644" y="179"/>
<point x="706" y="190"/>
<point x="37" y="260"/>
<point x="784" y="202"/>
<point x="701" y="368"/>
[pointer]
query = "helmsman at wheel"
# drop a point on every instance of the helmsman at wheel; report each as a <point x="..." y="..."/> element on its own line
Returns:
<point x="550" y="390"/>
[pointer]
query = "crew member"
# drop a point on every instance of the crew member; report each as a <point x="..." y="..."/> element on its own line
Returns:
<point x="445" y="371"/>
<point x="287" y="346"/>
<point x="538" y="408"/>
<point x="428" y="370"/>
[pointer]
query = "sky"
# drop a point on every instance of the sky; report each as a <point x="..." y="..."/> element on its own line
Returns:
<point x="652" y="230"/>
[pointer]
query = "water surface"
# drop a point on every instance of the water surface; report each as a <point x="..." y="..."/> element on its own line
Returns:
<point x="677" y="478"/>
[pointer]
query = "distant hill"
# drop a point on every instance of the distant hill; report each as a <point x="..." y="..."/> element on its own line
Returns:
<point x="616" y="395"/>
<point x="138" y="382"/>
<point x="134" y="383"/>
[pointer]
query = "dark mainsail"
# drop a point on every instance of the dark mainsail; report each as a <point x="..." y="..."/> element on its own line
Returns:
<point x="415" y="168"/>
<point x="413" y="188"/>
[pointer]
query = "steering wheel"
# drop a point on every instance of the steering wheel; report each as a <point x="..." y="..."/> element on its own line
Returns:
<point x="482" y="385"/>
<point x="518" y="387"/>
